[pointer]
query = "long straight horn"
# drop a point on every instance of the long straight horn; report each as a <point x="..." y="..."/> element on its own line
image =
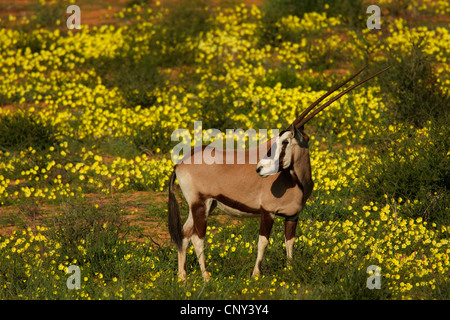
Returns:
<point x="315" y="103"/>
<point x="310" y="116"/>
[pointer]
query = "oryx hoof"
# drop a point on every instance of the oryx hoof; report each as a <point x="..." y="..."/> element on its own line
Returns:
<point x="206" y="276"/>
<point x="182" y="275"/>
<point x="256" y="273"/>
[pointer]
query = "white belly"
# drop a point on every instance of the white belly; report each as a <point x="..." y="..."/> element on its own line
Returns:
<point x="235" y="212"/>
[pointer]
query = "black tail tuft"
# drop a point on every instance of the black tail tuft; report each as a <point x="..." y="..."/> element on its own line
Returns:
<point x="176" y="233"/>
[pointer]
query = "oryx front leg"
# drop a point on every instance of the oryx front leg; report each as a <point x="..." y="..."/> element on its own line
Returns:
<point x="264" y="233"/>
<point x="289" y="236"/>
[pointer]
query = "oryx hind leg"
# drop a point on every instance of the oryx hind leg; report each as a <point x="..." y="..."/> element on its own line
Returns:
<point x="195" y="230"/>
<point x="187" y="233"/>
<point x="200" y="213"/>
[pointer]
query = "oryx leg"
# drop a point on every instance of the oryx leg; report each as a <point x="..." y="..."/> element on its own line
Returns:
<point x="200" y="212"/>
<point x="264" y="233"/>
<point x="188" y="229"/>
<point x="195" y="229"/>
<point x="290" y="224"/>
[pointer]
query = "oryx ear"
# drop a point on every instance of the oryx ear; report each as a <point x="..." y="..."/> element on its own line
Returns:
<point x="297" y="135"/>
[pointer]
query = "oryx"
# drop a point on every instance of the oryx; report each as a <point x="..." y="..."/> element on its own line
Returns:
<point x="277" y="185"/>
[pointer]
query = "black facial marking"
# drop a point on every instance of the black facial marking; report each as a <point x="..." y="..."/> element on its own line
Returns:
<point x="282" y="154"/>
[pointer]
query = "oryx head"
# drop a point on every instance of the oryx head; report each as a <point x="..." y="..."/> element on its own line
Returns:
<point x="280" y="155"/>
<point x="289" y="142"/>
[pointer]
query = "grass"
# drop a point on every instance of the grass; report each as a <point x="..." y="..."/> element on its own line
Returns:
<point x="94" y="238"/>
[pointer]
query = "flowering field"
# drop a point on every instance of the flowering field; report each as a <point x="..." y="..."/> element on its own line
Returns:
<point x="86" y="118"/>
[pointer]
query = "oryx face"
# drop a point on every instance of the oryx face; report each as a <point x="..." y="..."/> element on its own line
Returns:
<point x="280" y="153"/>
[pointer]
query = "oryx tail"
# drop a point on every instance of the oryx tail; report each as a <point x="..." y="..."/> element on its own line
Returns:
<point x="175" y="230"/>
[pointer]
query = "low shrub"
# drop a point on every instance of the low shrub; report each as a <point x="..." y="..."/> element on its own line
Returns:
<point x="414" y="94"/>
<point x="412" y="166"/>
<point x="150" y="139"/>
<point x="136" y="77"/>
<point x="179" y="28"/>
<point x="22" y="130"/>
<point x="350" y="11"/>
<point x="91" y="234"/>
